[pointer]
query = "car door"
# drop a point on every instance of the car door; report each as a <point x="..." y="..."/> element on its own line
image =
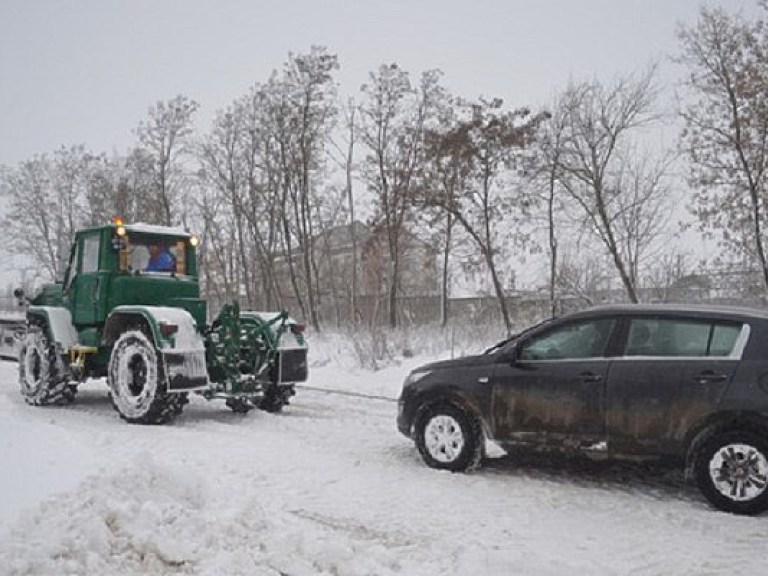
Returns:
<point x="671" y="373"/>
<point x="553" y="390"/>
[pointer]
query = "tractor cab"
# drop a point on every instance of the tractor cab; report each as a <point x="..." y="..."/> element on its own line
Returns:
<point x="120" y="265"/>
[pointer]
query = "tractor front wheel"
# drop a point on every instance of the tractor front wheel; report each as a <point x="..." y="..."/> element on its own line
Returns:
<point x="137" y="382"/>
<point x="41" y="371"/>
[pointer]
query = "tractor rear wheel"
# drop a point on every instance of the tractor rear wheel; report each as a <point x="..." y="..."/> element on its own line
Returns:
<point x="137" y="382"/>
<point x="276" y="398"/>
<point x="42" y="380"/>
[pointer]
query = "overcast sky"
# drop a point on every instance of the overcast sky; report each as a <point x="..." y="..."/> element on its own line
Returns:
<point x="85" y="71"/>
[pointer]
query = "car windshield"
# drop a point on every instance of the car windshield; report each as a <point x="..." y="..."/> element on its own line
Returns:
<point x="517" y="335"/>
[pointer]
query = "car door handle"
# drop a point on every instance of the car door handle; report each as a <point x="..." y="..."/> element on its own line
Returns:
<point x="709" y="377"/>
<point x="590" y="377"/>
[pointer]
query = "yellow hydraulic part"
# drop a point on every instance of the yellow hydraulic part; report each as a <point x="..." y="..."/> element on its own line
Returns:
<point x="77" y="355"/>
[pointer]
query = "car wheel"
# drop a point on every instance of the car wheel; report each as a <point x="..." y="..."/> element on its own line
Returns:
<point x="449" y="438"/>
<point x="732" y="472"/>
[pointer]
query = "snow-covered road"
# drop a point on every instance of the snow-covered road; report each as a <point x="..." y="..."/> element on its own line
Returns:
<point x="328" y="487"/>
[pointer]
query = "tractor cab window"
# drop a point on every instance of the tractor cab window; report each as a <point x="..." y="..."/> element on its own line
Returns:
<point x="90" y="261"/>
<point x="71" y="271"/>
<point x="156" y="256"/>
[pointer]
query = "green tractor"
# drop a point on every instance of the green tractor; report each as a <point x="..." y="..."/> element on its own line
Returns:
<point x="129" y="309"/>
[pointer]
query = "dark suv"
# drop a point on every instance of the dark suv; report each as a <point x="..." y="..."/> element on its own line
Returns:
<point x="622" y="382"/>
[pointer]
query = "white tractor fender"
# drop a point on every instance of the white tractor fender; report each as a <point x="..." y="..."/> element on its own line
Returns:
<point x="58" y="323"/>
<point x="185" y="338"/>
<point x="182" y="349"/>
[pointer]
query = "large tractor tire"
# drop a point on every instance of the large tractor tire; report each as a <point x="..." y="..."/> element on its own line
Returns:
<point x="276" y="398"/>
<point x="137" y="383"/>
<point x="42" y="378"/>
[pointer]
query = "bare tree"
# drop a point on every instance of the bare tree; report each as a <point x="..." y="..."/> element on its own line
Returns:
<point x="50" y="197"/>
<point x="668" y="271"/>
<point x="550" y="145"/>
<point x="643" y="210"/>
<point x="31" y="225"/>
<point x="220" y="157"/>
<point x="448" y="165"/>
<point x="345" y="160"/>
<point x="726" y="128"/>
<point x="394" y="116"/>
<point x="218" y="249"/>
<point x="583" y="275"/>
<point x="262" y="202"/>
<point x="302" y="111"/>
<point x="165" y="136"/>
<point x="105" y="190"/>
<point x="485" y="199"/>
<point x="593" y="167"/>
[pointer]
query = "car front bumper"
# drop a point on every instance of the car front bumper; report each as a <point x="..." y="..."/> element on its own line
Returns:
<point x="404" y="421"/>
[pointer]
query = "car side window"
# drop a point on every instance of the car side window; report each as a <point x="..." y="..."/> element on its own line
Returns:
<point x="682" y="338"/>
<point x="585" y="339"/>
<point x="724" y="337"/>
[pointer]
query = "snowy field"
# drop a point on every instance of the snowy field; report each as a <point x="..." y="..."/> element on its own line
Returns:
<point x="329" y="487"/>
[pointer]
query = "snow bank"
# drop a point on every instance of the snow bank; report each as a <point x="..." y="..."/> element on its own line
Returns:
<point x="155" y="519"/>
<point x="137" y="522"/>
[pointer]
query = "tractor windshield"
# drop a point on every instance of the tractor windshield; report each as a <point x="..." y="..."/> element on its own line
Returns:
<point x="157" y="255"/>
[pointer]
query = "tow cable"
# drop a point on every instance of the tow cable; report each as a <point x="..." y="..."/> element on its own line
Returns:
<point x="346" y="393"/>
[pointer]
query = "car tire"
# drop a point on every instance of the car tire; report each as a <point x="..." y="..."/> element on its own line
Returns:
<point x="449" y="438"/>
<point x="137" y="383"/>
<point x="731" y="471"/>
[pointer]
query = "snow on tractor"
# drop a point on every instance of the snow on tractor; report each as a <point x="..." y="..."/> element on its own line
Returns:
<point x="129" y="308"/>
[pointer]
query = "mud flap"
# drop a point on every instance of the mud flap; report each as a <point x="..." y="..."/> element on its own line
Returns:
<point x="185" y="370"/>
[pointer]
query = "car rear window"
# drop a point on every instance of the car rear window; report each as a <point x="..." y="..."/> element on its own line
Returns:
<point x="681" y="338"/>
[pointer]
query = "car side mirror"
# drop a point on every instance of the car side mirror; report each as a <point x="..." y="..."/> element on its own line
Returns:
<point x="509" y="356"/>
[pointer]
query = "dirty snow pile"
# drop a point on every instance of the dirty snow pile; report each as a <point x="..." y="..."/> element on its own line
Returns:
<point x="150" y="519"/>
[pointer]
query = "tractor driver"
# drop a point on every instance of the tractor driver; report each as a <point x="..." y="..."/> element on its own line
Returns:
<point x="160" y="259"/>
